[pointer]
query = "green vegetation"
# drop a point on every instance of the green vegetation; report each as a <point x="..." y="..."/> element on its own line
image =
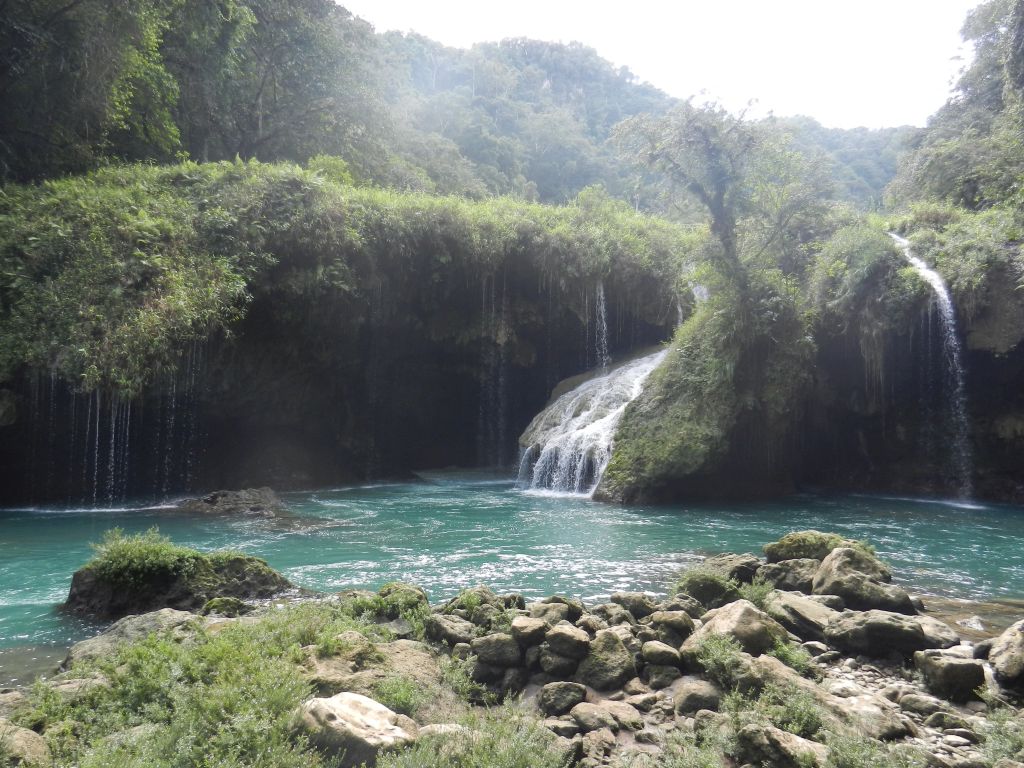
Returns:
<point x="758" y="592"/>
<point x="140" y="560"/>
<point x="504" y="737"/>
<point x="789" y="710"/>
<point x="847" y="750"/>
<point x="458" y="675"/>
<point x="1003" y="734"/>
<point x="401" y="694"/>
<point x="105" y="278"/>
<point x="721" y="658"/>
<point x="216" y="699"/>
<point x="796" y="658"/>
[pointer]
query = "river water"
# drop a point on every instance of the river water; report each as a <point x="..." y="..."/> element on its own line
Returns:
<point x="455" y="530"/>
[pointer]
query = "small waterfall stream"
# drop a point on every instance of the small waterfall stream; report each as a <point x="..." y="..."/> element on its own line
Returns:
<point x="568" y="445"/>
<point x="955" y="385"/>
<point x="601" y="331"/>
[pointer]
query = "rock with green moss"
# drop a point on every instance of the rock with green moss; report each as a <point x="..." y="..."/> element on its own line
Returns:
<point x="399" y="598"/>
<point x="708" y="587"/>
<point x="802" y="544"/>
<point x="608" y="663"/>
<point x="146" y="572"/>
<point x="231" y="607"/>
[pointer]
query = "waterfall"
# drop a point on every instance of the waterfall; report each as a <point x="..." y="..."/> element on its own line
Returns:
<point x="568" y="445"/>
<point x="955" y="384"/>
<point x="601" y="332"/>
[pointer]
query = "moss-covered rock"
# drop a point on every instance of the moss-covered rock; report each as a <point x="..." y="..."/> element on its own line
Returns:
<point x="138" y="574"/>
<point x="802" y="544"/>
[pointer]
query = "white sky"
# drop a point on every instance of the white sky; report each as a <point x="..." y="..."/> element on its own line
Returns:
<point x="846" y="63"/>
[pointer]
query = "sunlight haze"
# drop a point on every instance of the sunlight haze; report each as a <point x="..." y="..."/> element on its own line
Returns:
<point x="872" y="63"/>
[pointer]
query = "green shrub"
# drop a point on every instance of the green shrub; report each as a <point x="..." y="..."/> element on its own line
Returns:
<point x="758" y="592"/>
<point x="1003" y="734"/>
<point x="401" y="694"/>
<point x="225" y="699"/>
<point x="503" y="737"/>
<point x="142" y="559"/>
<point x="796" y="658"/>
<point x="791" y="710"/>
<point x="457" y="674"/>
<point x="681" y="750"/>
<point x="847" y="750"/>
<point x="721" y="657"/>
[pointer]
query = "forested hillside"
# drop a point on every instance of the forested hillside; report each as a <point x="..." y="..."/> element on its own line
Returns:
<point x="249" y="231"/>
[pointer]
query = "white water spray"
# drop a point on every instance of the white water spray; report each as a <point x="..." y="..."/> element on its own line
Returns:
<point x="568" y="445"/>
<point x="601" y="333"/>
<point x="956" y="398"/>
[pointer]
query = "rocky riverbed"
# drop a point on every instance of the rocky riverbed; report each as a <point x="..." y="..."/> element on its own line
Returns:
<point x="808" y="656"/>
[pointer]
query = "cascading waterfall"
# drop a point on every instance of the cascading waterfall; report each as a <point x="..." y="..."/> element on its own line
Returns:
<point x="568" y="445"/>
<point x="956" y="387"/>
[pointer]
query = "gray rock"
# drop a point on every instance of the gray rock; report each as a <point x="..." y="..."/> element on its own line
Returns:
<point x="741" y="568"/>
<point x="22" y="747"/>
<point x="950" y="675"/>
<point x="661" y="675"/>
<point x="882" y="633"/>
<point x="656" y="652"/>
<point x="592" y="717"/>
<point x="449" y="629"/>
<point x="249" y="502"/>
<point x="613" y="614"/>
<point x="683" y="603"/>
<point x="567" y="640"/>
<point x="1007" y="657"/>
<point x="354" y="728"/>
<point x="564" y="728"/>
<point x="795" y="575"/>
<point x="556" y="665"/>
<point x="802" y="616"/>
<point x="678" y="623"/>
<point x="754" y="629"/>
<point x="769" y="746"/>
<point x="862" y="581"/>
<point x="922" y="704"/>
<point x="575" y="607"/>
<point x="608" y="663"/>
<point x="590" y="623"/>
<point x="130" y="629"/>
<point x="498" y="649"/>
<point x="552" y="613"/>
<point x="528" y="630"/>
<point x="637" y="603"/>
<point x="559" y="697"/>
<point x="596" y="746"/>
<point x="694" y="695"/>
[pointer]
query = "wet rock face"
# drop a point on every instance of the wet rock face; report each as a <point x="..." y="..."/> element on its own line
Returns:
<point x="253" y="502"/>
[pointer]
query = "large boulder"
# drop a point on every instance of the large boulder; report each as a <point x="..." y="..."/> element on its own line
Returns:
<point x="803" y="544"/>
<point x="952" y="674"/>
<point x="179" y="624"/>
<point x="354" y="728"/>
<point x="568" y="640"/>
<point x="708" y="587"/>
<point x="529" y="631"/>
<point x="770" y="746"/>
<point x="187" y="584"/>
<point x="637" y="603"/>
<point x="741" y="568"/>
<point x="1007" y="657"/>
<point x="22" y="748"/>
<point x="796" y="575"/>
<point x="883" y="633"/>
<point x="449" y="629"/>
<point x="861" y="580"/>
<point x="802" y="616"/>
<point x="498" y="650"/>
<point x="248" y="502"/>
<point x="559" y="697"/>
<point x="754" y="629"/>
<point x="693" y="695"/>
<point x="608" y="663"/>
<point x="398" y="597"/>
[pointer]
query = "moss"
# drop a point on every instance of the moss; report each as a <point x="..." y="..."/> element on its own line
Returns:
<point x="226" y="606"/>
<point x="106" y="278"/>
<point x="707" y="586"/>
<point x="811" y="544"/>
<point x="147" y="571"/>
